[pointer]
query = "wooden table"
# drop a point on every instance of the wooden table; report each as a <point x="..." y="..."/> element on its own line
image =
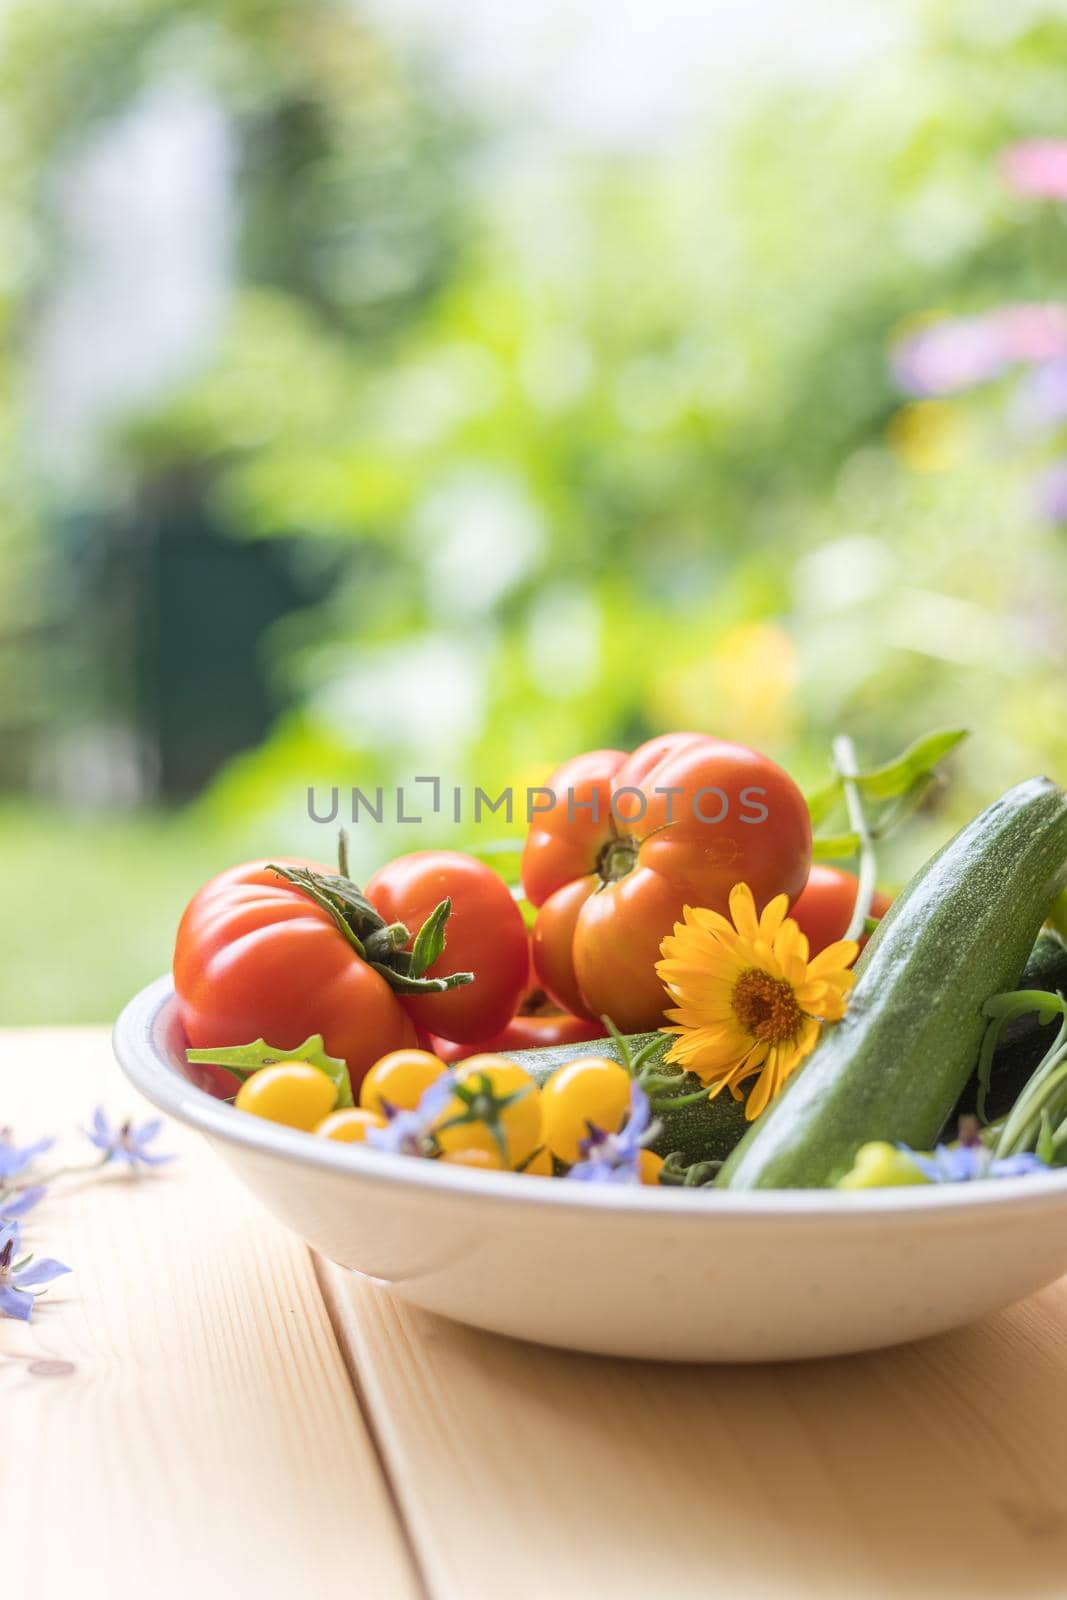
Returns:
<point x="205" y="1410"/>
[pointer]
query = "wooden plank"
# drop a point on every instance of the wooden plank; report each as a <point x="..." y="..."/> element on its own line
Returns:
<point x="939" y="1468"/>
<point x="178" y="1420"/>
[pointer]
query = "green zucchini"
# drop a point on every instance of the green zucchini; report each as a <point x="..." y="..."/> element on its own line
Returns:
<point x="896" y="1065"/>
<point x="1023" y="1042"/>
<point x="706" y="1130"/>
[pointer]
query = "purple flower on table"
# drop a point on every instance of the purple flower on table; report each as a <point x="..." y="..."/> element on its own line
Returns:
<point x="1036" y="167"/>
<point x="18" y="1203"/>
<point x="967" y="1163"/>
<point x="17" y="1279"/>
<point x="126" y="1144"/>
<point x="407" y="1133"/>
<point x="615" y="1157"/>
<point x="15" y="1158"/>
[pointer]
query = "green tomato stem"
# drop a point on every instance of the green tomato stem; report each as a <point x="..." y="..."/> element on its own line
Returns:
<point x="673" y="1101"/>
<point x="1024" y="1124"/>
<point x="844" y="753"/>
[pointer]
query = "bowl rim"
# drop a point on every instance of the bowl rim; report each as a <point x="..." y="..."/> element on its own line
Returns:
<point x="156" y="1078"/>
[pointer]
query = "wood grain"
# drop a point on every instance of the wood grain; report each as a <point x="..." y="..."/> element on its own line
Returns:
<point x="939" y="1469"/>
<point x="178" y="1420"/>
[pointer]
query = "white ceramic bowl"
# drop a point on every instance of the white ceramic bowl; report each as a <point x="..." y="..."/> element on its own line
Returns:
<point x="669" y="1274"/>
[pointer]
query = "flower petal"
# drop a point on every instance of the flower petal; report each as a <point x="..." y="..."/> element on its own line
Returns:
<point x="773" y="918"/>
<point x="760" y="1094"/>
<point x="743" y="912"/>
<point x="713" y="923"/>
<point x="20" y="1203"/>
<point x="13" y="1303"/>
<point x="839" y="955"/>
<point x="791" y="944"/>
<point x="42" y="1271"/>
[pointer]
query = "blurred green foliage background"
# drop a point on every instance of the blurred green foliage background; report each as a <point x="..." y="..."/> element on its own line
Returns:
<point x="347" y="434"/>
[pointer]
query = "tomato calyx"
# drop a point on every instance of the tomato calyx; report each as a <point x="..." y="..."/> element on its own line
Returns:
<point x="382" y="945"/>
<point x="483" y="1105"/>
<point x="617" y="857"/>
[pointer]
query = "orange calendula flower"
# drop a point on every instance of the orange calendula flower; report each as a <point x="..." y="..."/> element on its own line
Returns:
<point x="750" y="1003"/>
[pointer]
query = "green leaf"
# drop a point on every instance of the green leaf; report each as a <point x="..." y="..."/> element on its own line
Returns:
<point x="917" y="762"/>
<point x="695" y="1175"/>
<point x="366" y="919"/>
<point x="835" y="847"/>
<point x="824" y="801"/>
<point x="245" y="1059"/>
<point x="310" y="883"/>
<point x="903" y="807"/>
<point x="430" y="940"/>
<point x="401" y="983"/>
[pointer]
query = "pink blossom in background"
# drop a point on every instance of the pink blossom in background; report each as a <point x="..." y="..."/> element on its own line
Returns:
<point x="1033" y="332"/>
<point x="1037" y="167"/>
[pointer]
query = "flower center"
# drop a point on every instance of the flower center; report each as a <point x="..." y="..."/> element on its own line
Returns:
<point x="766" y="1007"/>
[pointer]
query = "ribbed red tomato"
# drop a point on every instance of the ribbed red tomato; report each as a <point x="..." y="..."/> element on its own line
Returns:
<point x="257" y="958"/>
<point x="626" y="841"/>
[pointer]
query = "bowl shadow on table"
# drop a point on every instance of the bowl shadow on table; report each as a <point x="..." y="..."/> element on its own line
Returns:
<point x="937" y="1468"/>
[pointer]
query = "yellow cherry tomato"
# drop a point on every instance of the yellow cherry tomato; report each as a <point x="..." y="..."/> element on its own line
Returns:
<point x="541" y="1165"/>
<point x="292" y="1092"/>
<point x="400" y="1078"/>
<point x="350" y="1125"/>
<point x="471" y="1156"/>
<point x="648" y="1165"/>
<point x="880" y="1165"/>
<point x="497" y="1109"/>
<point x="591" y="1089"/>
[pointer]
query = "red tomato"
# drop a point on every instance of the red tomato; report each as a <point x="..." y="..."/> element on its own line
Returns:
<point x="538" y="1024"/>
<point x="485" y="934"/>
<point x="824" y="909"/>
<point x="256" y="958"/>
<point x="629" y="840"/>
<point x="526" y="1031"/>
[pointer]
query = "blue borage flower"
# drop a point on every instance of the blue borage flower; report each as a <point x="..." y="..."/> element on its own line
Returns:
<point x="14" y="1158"/>
<point x="614" y="1157"/>
<point x="968" y="1163"/>
<point x="407" y="1133"/>
<point x="17" y="1205"/>
<point x="126" y="1144"/>
<point x="18" y="1278"/>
